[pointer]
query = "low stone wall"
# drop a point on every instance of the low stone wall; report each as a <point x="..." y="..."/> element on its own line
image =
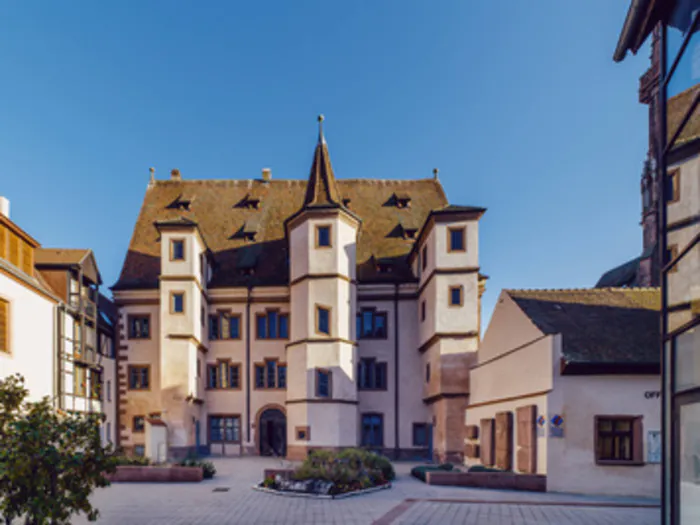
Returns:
<point x="156" y="474"/>
<point x="489" y="480"/>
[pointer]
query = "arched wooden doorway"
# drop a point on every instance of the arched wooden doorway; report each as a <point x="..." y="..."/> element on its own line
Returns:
<point x="272" y="433"/>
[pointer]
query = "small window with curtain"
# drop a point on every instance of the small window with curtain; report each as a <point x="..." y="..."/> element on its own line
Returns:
<point x="138" y="424"/>
<point x="138" y="377"/>
<point x="139" y="326"/>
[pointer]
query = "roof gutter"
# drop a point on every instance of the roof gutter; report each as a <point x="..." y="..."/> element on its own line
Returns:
<point x="636" y="15"/>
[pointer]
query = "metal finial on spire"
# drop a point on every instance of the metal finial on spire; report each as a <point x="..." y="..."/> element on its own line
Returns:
<point x="435" y="173"/>
<point x="321" y="138"/>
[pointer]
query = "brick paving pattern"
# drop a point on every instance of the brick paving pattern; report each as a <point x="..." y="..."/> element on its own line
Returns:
<point x="409" y="502"/>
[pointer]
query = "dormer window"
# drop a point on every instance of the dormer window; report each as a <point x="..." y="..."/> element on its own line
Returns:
<point x="384" y="267"/>
<point x="402" y="200"/>
<point x="183" y="204"/>
<point x="410" y="233"/>
<point x="346" y="203"/>
<point x="249" y="202"/>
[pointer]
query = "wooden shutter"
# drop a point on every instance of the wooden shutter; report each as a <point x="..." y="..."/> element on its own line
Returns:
<point x="637" y="440"/>
<point x="27" y="262"/>
<point x="526" y="455"/>
<point x="471" y="450"/>
<point x="4" y="325"/>
<point x="487" y="439"/>
<point x="14" y="249"/>
<point x="3" y="243"/>
<point x="504" y="440"/>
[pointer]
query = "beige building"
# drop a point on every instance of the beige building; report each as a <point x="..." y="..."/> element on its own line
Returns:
<point x="567" y="385"/>
<point x="52" y="330"/>
<point x="273" y="316"/>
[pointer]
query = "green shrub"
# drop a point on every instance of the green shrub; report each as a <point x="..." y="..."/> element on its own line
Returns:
<point x="350" y="469"/>
<point x="208" y="468"/>
<point x="269" y="482"/>
<point x="132" y="461"/>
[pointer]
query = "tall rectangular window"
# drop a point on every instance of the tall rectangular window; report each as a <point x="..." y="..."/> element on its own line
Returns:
<point x="224" y="375"/>
<point x="281" y="376"/>
<point x="456" y="239"/>
<point x="109" y="390"/>
<point x="323" y="320"/>
<point x="234" y="327"/>
<point x="323" y="236"/>
<point x="456" y="295"/>
<point x="270" y="374"/>
<point x="138" y="424"/>
<point x="177" y="250"/>
<point x="139" y="377"/>
<point x="424" y="258"/>
<point x="139" y="326"/>
<point x="225" y="429"/>
<point x="79" y="380"/>
<point x="372" y="430"/>
<point x="422" y="310"/>
<point x="323" y="383"/>
<point x="259" y="376"/>
<point x="95" y="384"/>
<point x="371" y="375"/>
<point x="177" y="302"/>
<point x="4" y="326"/>
<point x="214" y="327"/>
<point x="674" y="186"/>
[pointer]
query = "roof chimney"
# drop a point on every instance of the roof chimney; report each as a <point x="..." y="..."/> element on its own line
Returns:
<point x="175" y="175"/>
<point x="267" y="174"/>
<point x="5" y="207"/>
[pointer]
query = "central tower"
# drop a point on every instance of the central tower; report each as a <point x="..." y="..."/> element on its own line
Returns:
<point x="322" y="353"/>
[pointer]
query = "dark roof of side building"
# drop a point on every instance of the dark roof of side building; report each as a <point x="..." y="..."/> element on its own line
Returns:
<point x="616" y="326"/>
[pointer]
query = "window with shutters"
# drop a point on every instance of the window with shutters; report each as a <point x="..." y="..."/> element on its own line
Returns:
<point x="4" y="326"/>
<point x="3" y="243"/>
<point x="27" y="262"/>
<point x="619" y="440"/>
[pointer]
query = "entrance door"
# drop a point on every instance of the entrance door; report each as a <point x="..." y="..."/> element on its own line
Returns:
<point x="273" y="433"/>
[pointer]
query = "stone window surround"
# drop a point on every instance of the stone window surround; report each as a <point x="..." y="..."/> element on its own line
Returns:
<point x="138" y="424"/>
<point x="317" y="374"/>
<point x="219" y="416"/>
<point x="217" y="366"/>
<point x="140" y="368"/>
<point x="220" y="314"/>
<point x="317" y="327"/>
<point x="173" y="242"/>
<point x="381" y="428"/>
<point x="130" y="318"/>
<point x="174" y="293"/>
<point x="452" y="288"/>
<point x="674" y="181"/>
<point x="375" y="314"/>
<point x="303" y="433"/>
<point x="263" y="365"/>
<point x="372" y="361"/>
<point x="267" y="324"/>
<point x="317" y="236"/>
<point x="450" y="231"/>
<point x="417" y="426"/>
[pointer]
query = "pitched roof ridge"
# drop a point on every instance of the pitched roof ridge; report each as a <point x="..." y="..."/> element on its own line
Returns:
<point x="594" y="290"/>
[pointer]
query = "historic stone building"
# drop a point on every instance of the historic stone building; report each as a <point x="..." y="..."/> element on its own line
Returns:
<point x="276" y="316"/>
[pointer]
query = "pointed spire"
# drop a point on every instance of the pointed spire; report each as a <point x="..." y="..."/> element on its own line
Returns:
<point x="321" y="189"/>
<point x="152" y="180"/>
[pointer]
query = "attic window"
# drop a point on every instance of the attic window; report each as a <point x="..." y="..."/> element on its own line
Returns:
<point x="402" y="200"/>
<point x="383" y="267"/>
<point x="346" y="203"/>
<point x="247" y="271"/>
<point x="251" y="203"/>
<point x="249" y="236"/>
<point x="409" y="233"/>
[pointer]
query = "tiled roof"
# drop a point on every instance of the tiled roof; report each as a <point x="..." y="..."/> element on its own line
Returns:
<point x="219" y="216"/>
<point x="60" y="255"/>
<point x="598" y="325"/>
<point x="677" y="106"/>
<point x="321" y="189"/>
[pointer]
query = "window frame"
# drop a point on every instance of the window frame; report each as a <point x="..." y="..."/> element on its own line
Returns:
<point x="318" y="229"/>
<point x="424" y="258"/>
<point x="422" y="311"/>
<point x="374" y="385"/>
<point x="223" y="417"/>
<point x="83" y="391"/>
<point x="381" y="428"/>
<point x="317" y="390"/>
<point x="219" y="376"/>
<point x="266" y="336"/>
<point x="173" y="242"/>
<point x="264" y="366"/>
<point x="140" y="369"/>
<point x="173" y="294"/>
<point x="415" y="427"/>
<point x="375" y="314"/>
<point x="452" y="289"/>
<point x="134" y="428"/>
<point x="328" y="310"/>
<point x="130" y="318"/>
<point x="450" y="246"/>
<point x="636" y="437"/>
<point x="674" y="182"/>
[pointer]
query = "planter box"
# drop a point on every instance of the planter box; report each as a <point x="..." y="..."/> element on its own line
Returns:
<point x="489" y="480"/>
<point x="156" y="474"/>
<point x="285" y="473"/>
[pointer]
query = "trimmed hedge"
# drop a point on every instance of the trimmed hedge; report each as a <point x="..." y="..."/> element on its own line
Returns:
<point x="419" y="472"/>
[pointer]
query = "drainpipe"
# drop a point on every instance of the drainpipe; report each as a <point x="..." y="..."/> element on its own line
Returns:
<point x="396" y="371"/>
<point x="57" y="355"/>
<point x="247" y="363"/>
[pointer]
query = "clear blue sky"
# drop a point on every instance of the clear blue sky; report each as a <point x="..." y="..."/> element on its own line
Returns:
<point x="519" y="105"/>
